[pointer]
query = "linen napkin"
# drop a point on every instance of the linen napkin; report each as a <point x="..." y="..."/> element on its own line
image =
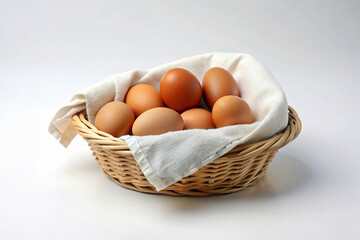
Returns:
<point x="166" y="158"/>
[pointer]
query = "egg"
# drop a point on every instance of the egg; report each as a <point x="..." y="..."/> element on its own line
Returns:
<point x="142" y="97"/>
<point x="115" y="118"/>
<point x="231" y="110"/>
<point x="197" y="118"/>
<point x="217" y="82"/>
<point x="157" y="121"/>
<point x="180" y="89"/>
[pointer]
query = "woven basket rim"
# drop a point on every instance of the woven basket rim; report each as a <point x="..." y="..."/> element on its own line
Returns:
<point x="278" y="140"/>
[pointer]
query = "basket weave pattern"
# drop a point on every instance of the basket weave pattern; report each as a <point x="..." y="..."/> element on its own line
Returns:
<point x="239" y="168"/>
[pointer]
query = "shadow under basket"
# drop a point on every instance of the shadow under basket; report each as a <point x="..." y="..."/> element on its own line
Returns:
<point x="239" y="168"/>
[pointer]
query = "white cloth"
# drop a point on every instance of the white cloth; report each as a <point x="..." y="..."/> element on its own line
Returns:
<point x="166" y="158"/>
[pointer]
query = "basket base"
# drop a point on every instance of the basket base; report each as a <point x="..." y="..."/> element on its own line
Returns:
<point x="181" y="187"/>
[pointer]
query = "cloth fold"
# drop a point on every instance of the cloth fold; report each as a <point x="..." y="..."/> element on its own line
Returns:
<point x="166" y="158"/>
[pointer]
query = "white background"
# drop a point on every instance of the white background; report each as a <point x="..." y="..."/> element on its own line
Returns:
<point x="51" y="49"/>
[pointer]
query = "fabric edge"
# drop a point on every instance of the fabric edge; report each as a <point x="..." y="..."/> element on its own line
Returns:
<point x="144" y="164"/>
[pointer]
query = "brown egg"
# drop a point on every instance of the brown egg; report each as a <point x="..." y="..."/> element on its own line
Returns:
<point x="197" y="118"/>
<point x="217" y="82"/>
<point x="180" y="89"/>
<point x="115" y="118"/>
<point x="142" y="97"/>
<point x="157" y="121"/>
<point x="231" y="110"/>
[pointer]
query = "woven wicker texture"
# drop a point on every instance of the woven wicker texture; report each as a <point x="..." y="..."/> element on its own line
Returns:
<point x="241" y="167"/>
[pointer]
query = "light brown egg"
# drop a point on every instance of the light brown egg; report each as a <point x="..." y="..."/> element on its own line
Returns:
<point x="157" y="121"/>
<point x="197" y="118"/>
<point x="142" y="97"/>
<point x="231" y="110"/>
<point x="115" y="118"/>
<point x="217" y="82"/>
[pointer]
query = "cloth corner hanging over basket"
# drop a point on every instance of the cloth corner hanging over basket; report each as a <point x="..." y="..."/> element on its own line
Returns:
<point x="241" y="167"/>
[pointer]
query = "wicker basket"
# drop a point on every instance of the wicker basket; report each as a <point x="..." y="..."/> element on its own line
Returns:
<point x="241" y="167"/>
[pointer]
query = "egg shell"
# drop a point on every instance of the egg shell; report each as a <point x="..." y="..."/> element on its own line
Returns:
<point x="157" y="121"/>
<point x="218" y="82"/>
<point x="231" y="110"/>
<point x="142" y="97"/>
<point x="197" y="118"/>
<point x="180" y="89"/>
<point x="115" y="118"/>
